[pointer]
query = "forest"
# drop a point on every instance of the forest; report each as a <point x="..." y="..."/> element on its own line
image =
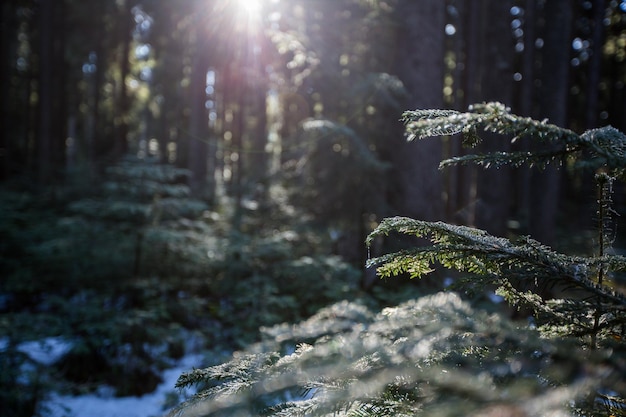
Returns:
<point x="338" y="207"/>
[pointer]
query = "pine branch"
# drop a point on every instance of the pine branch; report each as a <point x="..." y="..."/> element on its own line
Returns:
<point x="428" y="356"/>
<point x="516" y="159"/>
<point x="491" y="117"/>
<point x="472" y="250"/>
<point x="438" y="355"/>
<point x="606" y="146"/>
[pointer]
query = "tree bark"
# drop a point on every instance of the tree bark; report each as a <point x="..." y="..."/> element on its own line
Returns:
<point x="198" y="119"/>
<point x="7" y="41"/>
<point x="51" y="137"/>
<point x="489" y="78"/>
<point x="123" y="100"/>
<point x="526" y="107"/>
<point x="45" y="92"/>
<point x="553" y="97"/>
<point x="258" y="107"/>
<point x="595" y="65"/>
<point x="93" y="135"/>
<point x="420" y="67"/>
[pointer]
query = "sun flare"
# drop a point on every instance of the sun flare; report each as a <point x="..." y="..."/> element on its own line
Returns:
<point x="250" y="6"/>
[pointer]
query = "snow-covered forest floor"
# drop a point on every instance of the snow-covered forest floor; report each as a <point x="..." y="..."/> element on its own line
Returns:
<point x="103" y="402"/>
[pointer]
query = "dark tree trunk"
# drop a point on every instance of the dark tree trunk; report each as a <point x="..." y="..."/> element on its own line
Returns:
<point x="553" y="95"/>
<point x="46" y="98"/>
<point x="237" y="166"/>
<point x="421" y="46"/>
<point x="93" y="134"/>
<point x="198" y="119"/>
<point x="258" y="135"/>
<point x="8" y="30"/>
<point x="529" y="57"/>
<point x="586" y="186"/>
<point x="120" y="146"/>
<point x="51" y="137"/>
<point x="595" y="65"/>
<point x="258" y="161"/>
<point x="464" y="208"/>
<point x="165" y="53"/>
<point x="489" y="78"/>
<point x="526" y="107"/>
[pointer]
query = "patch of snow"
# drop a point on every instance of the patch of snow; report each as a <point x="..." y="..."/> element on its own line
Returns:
<point x="448" y="281"/>
<point x="5" y="299"/>
<point x="46" y="351"/>
<point x="495" y="298"/>
<point x="103" y="404"/>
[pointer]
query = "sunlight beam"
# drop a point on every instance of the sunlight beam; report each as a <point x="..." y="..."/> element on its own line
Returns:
<point x="250" y="6"/>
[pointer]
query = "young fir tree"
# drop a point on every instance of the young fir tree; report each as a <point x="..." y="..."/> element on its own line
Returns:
<point x="439" y="355"/>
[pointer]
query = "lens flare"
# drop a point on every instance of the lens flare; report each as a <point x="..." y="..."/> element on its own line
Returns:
<point x="250" y="6"/>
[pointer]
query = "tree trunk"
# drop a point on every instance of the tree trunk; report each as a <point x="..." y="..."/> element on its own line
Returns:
<point x="120" y="146"/>
<point x="94" y="137"/>
<point x="490" y="74"/>
<point x="420" y="68"/>
<point x="51" y="137"/>
<point x="526" y="107"/>
<point x="198" y="119"/>
<point x="258" y="49"/>
<point x="553" y="95"/>
<point x="7" y="41"/>
<point x="595" y="65"/>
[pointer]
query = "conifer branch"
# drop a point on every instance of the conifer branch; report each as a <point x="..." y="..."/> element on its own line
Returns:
<point x="606" y="145"/>
<point x="502" y="262"/>
<point x="427" y="356"/>
<point x="437" y="355"/>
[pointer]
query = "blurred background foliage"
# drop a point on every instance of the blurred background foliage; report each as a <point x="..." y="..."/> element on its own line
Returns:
<point x="195" y="169"/>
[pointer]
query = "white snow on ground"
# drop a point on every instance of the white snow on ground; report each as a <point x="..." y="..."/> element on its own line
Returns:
<point x="45" y="351"/>
<point x="103" y="405"/>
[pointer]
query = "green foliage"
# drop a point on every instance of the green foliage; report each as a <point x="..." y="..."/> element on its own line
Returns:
<point x="264" y="280"/>
<point x="606" y="146"/>
<point x="73" y="269"/>
<point x="124" y="273"/>
<point x="523" y="264"/>
<point x="513" y="266"/>
<point x="438" y="355"/>
<point x="336" y="175"/>
<point x="433" y="356"/>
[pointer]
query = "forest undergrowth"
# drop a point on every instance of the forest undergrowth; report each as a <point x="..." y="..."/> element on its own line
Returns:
<point x="440" y="354"/>
<point x="126" y="276"/>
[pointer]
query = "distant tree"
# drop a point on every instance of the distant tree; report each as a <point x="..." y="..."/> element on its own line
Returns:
<point x="420" y="63"/>
<point x="527" y="18"/>
<point x="197" y="139"/>
<point x="594" y="73"/>
<point x="553" y="105"/>
<point x="51" y="94"/>
<point x="8" y="31"/>
<point x="614" y="70"/>
<point x="124" y="20"/>
<point x="439" y="355"/>
<point x="489" y="76"/>
<point x="338" y="112"/>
